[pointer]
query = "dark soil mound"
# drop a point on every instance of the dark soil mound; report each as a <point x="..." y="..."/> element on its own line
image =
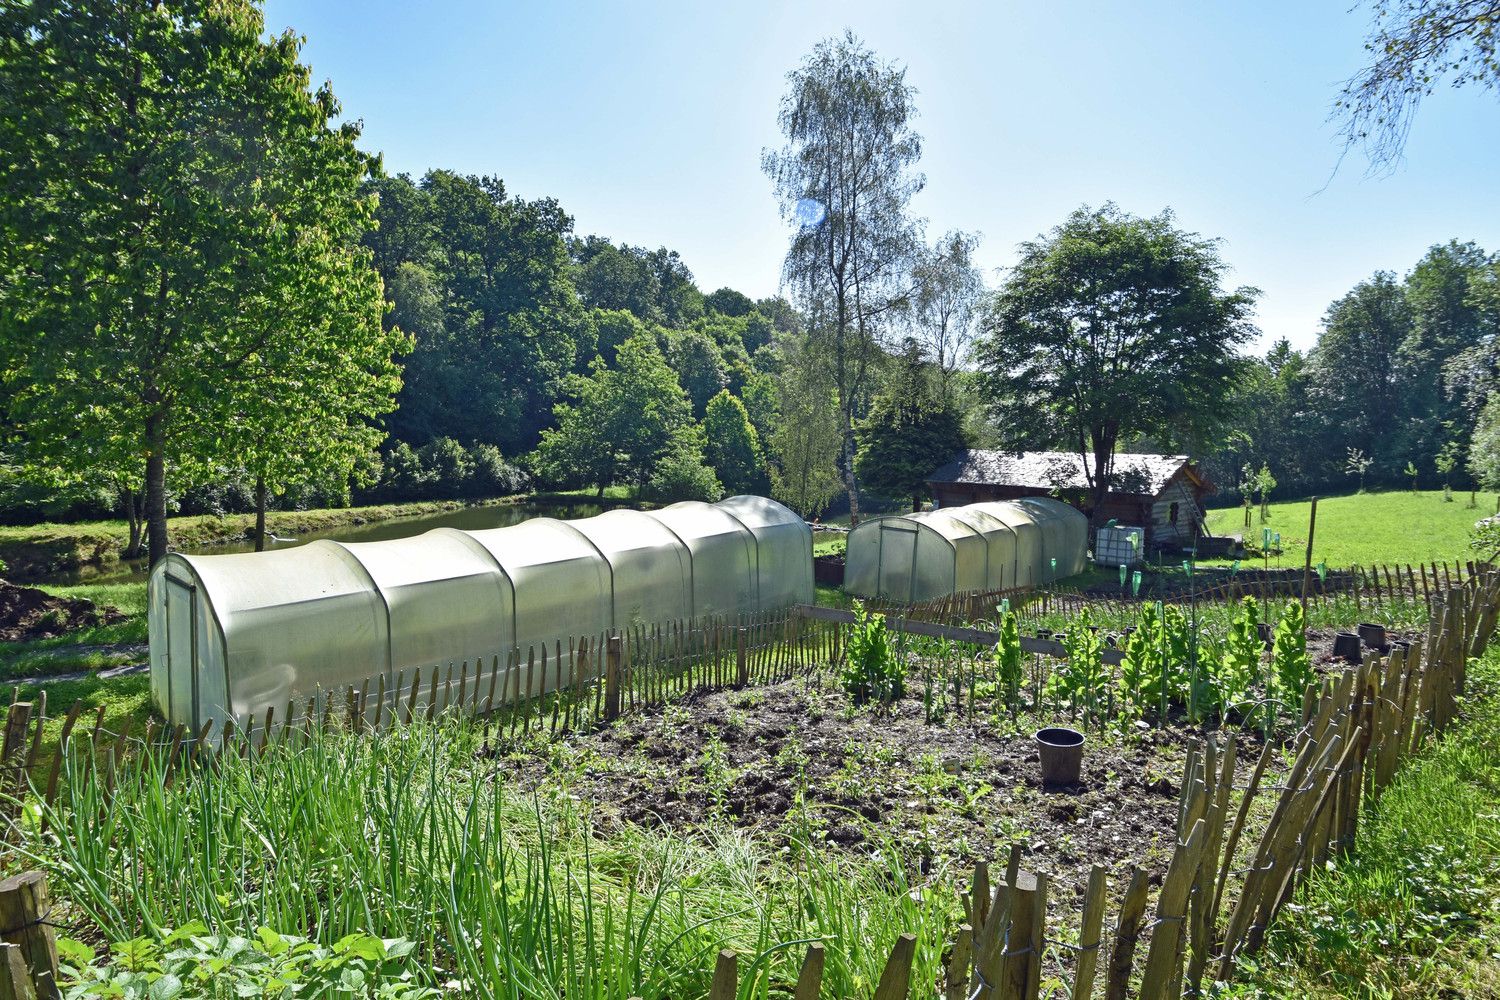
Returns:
<point x="28" y="613"/>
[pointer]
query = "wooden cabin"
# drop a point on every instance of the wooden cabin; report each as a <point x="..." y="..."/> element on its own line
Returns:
<point x="1161" y="493"/>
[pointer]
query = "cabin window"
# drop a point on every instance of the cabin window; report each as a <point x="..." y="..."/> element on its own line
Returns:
<point x="1172" y="513"/>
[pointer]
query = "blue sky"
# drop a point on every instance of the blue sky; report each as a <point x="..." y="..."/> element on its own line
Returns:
<point x="647" y="121"/>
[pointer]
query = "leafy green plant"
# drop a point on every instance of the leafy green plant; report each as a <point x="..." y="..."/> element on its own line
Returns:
<point x="1141" y="668"/>
<point x="1080" y="682"/>
<point x="1008" y="660"/>
<point x="1235" y="669"/>
<point x="872" y="671"/>
<point x="189" y="963"/>
<point x="1291" y="668"/>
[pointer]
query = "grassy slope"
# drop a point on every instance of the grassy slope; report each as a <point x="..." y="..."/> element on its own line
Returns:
<point x="74" y="651"/>
<point x="1416" y="912"/>
<point x="66" y="546"/>
<point x="1367" y="528"/>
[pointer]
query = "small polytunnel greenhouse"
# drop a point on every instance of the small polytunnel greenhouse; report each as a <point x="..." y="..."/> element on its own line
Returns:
<point x="232" y="635"/>
<point x="981" y="546"/>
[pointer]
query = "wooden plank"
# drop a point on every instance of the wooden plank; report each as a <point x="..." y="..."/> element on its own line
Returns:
<point x="1090" y="935"/>
<point x="1127" y="934"/>
<point x="810" y="978"/>
<point x="895" y="980"/>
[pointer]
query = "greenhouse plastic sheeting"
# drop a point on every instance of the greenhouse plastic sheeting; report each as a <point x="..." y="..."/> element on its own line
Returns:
<point x="982" y="546"/>
<point x="233" y="635"/>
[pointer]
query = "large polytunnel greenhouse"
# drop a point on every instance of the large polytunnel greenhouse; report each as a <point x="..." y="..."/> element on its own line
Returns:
<point x="981" y="546"/>
<point x="232" y="635"/>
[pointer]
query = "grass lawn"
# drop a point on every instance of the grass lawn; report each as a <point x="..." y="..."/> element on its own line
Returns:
<point x="1366" y="528"/>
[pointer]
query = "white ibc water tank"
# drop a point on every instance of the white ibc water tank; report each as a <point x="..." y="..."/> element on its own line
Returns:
<point x="1119" y="546"/>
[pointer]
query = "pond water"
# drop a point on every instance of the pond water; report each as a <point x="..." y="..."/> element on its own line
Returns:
<point x="467" y="518"/>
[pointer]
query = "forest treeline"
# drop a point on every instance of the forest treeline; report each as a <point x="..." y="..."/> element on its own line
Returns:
<point x="272" y="320"/>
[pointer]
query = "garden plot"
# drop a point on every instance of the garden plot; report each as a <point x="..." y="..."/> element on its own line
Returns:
<point x="798" y="762"/>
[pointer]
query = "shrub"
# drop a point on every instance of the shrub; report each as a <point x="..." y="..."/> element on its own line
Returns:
<point x="493" y="475"/>
<point x="683" y="475"/>
<point x="449" y="464"/>
<point x="191" y="964"/>
<point x="872" y="670"/>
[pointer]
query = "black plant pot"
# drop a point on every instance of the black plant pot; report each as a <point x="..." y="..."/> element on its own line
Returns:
<point x="1371" y="634"/>
<point x="1347" y="646"/>
<point x="1061" y="752"/>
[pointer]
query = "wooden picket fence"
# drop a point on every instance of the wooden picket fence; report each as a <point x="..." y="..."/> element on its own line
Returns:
<point x="1368" y="587"/>
<point x="1221" y="890"/>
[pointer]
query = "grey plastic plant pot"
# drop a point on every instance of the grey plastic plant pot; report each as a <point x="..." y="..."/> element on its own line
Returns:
<point x="1061" y="752"/>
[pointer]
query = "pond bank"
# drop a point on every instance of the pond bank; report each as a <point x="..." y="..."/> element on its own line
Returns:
<point x="33" y="552"/>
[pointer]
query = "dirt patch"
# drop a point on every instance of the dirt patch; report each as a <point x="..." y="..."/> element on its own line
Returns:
<point x="795" y="760"/>
<point x="27" y="613"/>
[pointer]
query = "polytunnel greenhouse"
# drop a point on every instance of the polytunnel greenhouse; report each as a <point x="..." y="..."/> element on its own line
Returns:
<point x="981" y="546"/>
<point x="232" y="635"/>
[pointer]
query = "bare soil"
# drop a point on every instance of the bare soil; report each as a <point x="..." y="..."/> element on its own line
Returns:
<point x="27" y="613"/>
<point x="795" y="760"/>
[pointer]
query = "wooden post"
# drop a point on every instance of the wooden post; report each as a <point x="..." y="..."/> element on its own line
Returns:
<point x="741" y="662"/>
<point x="1090" y="935"/>
<point x="895" y="980"/>
<point x="1312" y="524"/>
<point x="25" y="905"/>
<point x="15" y="981"/>
<point x="726" y="977"/>
<point x="12" y="754"/>
<point x="612" y="681"/>
<point x="1127" y="933"/>
<point x="810" y="979"/>
<point x="1020" y="973"/>
<point x="955" y="967"/>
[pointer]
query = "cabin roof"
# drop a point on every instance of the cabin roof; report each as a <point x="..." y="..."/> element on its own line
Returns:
<point x="1136" y="475"/>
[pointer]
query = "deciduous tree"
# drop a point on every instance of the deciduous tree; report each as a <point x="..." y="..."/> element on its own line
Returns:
<point x="913" y="428"/>
<point x="1112" y="328"/>
<point x="179" y="210"/>
<point x="845" y="178"/>
<point x="733" y="447"/>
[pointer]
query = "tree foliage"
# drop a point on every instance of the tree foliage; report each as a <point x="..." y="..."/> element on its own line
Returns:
<point x="619" y="422"/>
<point x="485" y="276"/>
<point x="807" y="439"/>
<point x="913" y="427"/>
<point x="1112" y="328"/>
<point x="733" y="447"/>
<point x="1414" y="46"/>
<point x="178" y="243"/>
<point x="949" y="296"/>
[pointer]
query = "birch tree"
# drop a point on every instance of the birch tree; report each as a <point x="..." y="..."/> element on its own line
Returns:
<point x="845" y="179"/>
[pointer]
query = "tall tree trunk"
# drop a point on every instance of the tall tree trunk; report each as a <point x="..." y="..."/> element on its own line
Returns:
<point x="131" y="501"/>
<point x="156" y="490"/>
<point x="1102" y="441"/>
<point x="260" y="513"/>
